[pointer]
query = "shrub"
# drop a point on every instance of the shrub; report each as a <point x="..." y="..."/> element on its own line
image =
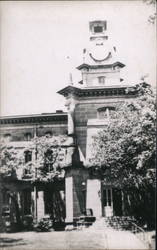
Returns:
<point x="44" y="225"/>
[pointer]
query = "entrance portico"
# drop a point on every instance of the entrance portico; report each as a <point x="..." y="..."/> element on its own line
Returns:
<point x="104" y="200"/>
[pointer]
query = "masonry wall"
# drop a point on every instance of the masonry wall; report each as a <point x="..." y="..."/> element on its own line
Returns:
<point x="77" y="189"/>
<point x="87" y="109"/>
<point x="18" y="132"/>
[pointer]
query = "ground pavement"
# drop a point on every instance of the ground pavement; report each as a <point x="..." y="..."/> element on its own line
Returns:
<point x="87" y="239"/>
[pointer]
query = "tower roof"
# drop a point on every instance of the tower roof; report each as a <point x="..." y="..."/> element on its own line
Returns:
<point x="95" y="91"/>
<point x="84" y="65"/>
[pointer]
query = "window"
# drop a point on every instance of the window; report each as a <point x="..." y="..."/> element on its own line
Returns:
<point x="107" y="197"/>
<point x="101" y="79"/>
<point x="49" y="160"/>
<point x="28" y="156"/>
<point x="98" y="29"/>
<point x="7" y="137"/>
<point x="48" y="134"/>
<point x="28" y="136"/>
<point x="106" y="112"/>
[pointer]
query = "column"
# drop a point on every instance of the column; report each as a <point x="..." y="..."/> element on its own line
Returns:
<point x="40" y="205"/>
<point x="94" y="196"/>
<point x="70" y="104"/>
<point x="69" y="199"/>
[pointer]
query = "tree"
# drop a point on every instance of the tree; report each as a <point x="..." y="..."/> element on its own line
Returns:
<point x="47" y="168"/>
<point x="11" y="160"/>
<point x="10" y="163"/>
<point x="152" y="17"/>
<point x="125" y="148"/>
<point x="50" y="160"/>
<point x="48" y="151"/>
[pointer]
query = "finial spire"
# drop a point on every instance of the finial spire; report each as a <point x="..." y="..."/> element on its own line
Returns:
<point x="84" y="52"/>
<point x="70" y="74"/>
<point x="70" y="79"/>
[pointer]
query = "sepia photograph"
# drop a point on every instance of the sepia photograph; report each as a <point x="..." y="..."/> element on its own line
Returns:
<point x="78" y="125"/>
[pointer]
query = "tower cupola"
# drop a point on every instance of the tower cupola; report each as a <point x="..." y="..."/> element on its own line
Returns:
<point x="100" y="64"/>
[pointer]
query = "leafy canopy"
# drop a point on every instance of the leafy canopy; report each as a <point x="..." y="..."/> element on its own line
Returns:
<point x="125" y="148"/>
<point x="46" y="163"/>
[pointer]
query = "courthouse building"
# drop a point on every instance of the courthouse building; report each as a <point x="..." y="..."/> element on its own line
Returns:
<point x="89" y="105"/>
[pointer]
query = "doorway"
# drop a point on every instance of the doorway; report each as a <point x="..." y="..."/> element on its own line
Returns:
<point x="107" y="202"/>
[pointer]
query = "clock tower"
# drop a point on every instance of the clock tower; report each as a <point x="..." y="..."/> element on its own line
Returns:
<point x="100" y="63"/>
<point x="90" y="106"/>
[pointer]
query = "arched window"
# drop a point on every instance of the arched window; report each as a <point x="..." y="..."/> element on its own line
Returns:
<point x="28" y="156"/>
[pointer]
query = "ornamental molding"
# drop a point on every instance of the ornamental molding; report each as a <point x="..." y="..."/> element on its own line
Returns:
<point x="88" y="92"/>
<point x="34" y="119"/>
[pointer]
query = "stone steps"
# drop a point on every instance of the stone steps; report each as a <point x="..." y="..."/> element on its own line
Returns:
<point x="118" y="223"/>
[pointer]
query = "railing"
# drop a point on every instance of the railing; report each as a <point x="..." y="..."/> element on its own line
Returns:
<point x="128" y="223"/>
<point x="140" y="233"/>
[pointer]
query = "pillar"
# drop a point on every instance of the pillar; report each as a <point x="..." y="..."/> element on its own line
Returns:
<point x="94" y="197"/>
<point x="75" y="180"/>
<point x="69" y="199"/>
<point x="40" y="205"/>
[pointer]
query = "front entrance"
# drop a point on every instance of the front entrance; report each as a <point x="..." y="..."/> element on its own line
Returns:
<point x="112" y="202"/>
<point x="107" y="202"/>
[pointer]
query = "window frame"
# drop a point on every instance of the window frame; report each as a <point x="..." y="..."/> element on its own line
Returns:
<point x="28" y="156"/>
<point x="101" y="79"/>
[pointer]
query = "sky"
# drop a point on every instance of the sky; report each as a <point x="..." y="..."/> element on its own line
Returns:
<point x="42" y="42"/>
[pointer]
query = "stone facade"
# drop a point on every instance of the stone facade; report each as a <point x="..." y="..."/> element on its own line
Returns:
<point x="88" y="110"/>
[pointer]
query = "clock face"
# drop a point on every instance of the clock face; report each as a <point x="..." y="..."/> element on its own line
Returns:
<point x="100" y="53"/>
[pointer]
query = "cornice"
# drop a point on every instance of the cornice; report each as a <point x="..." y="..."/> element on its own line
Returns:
<point x="112" y="91"/>
<point x="98" y="66"/>
<point x="34" y="119"/>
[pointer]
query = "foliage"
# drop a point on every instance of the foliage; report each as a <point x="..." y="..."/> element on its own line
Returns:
<point x="45" y="165"/>
<point x="10" y="160"/>
<point x="152" y="17"/>
<point x="44" y="168"/>
<point x="124" y="152"/>
<point x="48" y="163"/>
<point x="125" y="148"/>
<point x="43" y="225"/>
